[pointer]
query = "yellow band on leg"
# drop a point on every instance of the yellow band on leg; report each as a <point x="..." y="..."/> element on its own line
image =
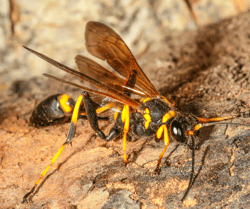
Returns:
<point x="125" y="119"/>
<point x="76" y="109"/>
<point x="52" y="162"/>
<point x="166" y="140"/>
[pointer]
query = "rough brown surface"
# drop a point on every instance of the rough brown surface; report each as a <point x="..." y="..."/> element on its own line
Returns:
<point x="204" y="72"/>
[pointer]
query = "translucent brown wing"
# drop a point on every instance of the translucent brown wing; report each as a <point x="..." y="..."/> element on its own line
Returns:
<point x="100" y="99"/>
<point x="106" y="44"/>
<point x="107" y="91"/>
<point x="97" y="72"/>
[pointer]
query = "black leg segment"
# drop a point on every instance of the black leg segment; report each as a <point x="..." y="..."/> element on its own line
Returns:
<point x="91" y="115"/>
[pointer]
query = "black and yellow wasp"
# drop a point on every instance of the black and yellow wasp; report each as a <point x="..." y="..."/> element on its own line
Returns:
<point x="152" y="115"/>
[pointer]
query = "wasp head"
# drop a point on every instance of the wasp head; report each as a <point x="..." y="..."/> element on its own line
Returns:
<point x="182" y="125"/>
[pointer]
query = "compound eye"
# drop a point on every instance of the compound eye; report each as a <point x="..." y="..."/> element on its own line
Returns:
<point x="177" y="131"/>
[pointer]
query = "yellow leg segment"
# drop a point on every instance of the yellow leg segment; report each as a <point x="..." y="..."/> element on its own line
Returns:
<point x="162" y="129"/>
<point x="102" y="109"/>
<point x="76" y="109"/>
<point x="52" y="162"/>
<point x="106" y="107"/>
<point x="125" y="119"/>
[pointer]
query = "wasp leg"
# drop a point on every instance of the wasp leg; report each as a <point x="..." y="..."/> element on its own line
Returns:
<point x="91" y="115"/>
<point x="157" y="140"/>
<point x="113" y="133"/>
<point x="93" y="119"/>
<point x="126" y="120"/>
<point x="70" y="136"/>
<point x="162" y="131"/>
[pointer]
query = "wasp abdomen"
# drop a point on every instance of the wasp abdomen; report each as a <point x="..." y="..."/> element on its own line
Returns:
<point x="54" y="109"/>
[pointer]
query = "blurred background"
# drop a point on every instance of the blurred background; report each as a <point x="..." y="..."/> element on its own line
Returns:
<point x="56" y="28"/>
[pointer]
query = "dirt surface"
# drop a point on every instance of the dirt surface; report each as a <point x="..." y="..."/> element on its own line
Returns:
<point x="205" y="72"/>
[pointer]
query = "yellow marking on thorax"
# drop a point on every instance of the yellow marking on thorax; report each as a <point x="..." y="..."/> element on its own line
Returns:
<point x="147" y="118"/>
<point x="63" y="103"/>
<point x="168" y="116"/>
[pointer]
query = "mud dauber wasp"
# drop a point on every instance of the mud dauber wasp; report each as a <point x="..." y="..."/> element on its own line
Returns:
<point x="153" y="115"/>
